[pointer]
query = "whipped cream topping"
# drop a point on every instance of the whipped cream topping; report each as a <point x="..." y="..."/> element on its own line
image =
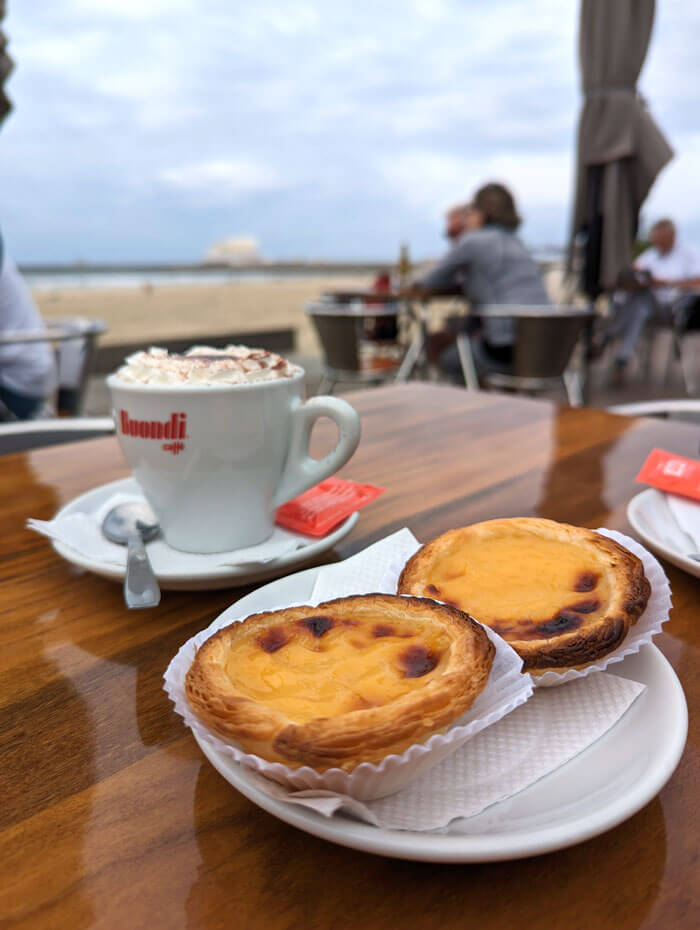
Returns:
<point x="206" y="365"/>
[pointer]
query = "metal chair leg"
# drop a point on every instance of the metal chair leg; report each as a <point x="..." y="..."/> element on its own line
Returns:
<point x="573" y="387"/>
<point x="681" y="313"/>
<point x="326" y="385"/>
<point x="416" y="347"/>
<point x="647" y="352"/>
<point x="410" y="359"/>
<point x="688" y="375"/>
<point x="673" y="350"/>
<point x="466" y="360"/>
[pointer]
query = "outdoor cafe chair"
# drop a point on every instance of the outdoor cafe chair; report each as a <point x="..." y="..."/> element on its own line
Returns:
<point x="681" y="320"/>
<point x="685" y="320"/>
<point x="354" y="349"/>
<point x="34" y="434"/>
<point x="545" y="339"/>
<point x="74" y="341"/>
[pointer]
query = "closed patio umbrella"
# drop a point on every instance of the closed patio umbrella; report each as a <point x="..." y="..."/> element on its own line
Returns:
<point x="621" y="150"/>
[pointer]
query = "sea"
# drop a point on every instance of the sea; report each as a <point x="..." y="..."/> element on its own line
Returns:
<point x="75" y="279"/>
<point x="70" y="277"/>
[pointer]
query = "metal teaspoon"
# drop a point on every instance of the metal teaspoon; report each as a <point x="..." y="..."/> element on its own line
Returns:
<point x="131" y="525"/>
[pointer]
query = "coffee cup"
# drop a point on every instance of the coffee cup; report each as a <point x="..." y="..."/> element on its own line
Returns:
<point x="216" y="459"/>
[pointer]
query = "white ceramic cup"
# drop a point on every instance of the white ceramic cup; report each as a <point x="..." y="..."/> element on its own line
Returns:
<point x="215" y="461"/>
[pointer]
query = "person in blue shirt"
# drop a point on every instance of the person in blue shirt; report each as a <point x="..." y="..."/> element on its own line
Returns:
<point x="487" y="264"/>
<point x="27" y="369"/>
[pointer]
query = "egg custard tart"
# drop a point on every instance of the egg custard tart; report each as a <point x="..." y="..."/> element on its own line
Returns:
<point x="561" y="595"/>
<point x="349" y="681"/>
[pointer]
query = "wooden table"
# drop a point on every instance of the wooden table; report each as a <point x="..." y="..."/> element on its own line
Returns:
<point x="111" y="817"/>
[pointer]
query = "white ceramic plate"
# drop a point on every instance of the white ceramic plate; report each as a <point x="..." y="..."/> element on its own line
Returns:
<point x="207" y="578"/>
<point x="651" y="519"/>
<point x="600" y="788"/>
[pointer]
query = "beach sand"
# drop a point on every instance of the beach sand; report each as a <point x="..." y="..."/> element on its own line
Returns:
<point x="147" y="316"/>
<point x="150" y="314"/>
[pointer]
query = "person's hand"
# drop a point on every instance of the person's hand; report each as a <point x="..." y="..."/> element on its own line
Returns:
<point x="633" y="279"/>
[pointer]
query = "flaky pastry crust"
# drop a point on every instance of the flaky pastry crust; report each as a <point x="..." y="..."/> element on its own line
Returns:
<point x="548" y="644"/>
<point x="369" y="734"/>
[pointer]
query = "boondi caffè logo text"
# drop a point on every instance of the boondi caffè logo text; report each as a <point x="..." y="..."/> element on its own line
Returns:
<point x="174" y="430"/>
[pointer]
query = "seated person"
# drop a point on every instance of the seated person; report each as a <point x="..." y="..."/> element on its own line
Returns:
<point x="27" y="369"/>
<point x="487" y="264"/>
<point x="382" y="327"/>
<point x="662" y="279"/>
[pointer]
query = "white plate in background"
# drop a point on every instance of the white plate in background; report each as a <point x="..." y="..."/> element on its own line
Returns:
<point x="653" y="522"/>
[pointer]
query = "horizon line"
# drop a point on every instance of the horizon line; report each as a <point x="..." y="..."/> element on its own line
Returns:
<point x="85" y="267"/>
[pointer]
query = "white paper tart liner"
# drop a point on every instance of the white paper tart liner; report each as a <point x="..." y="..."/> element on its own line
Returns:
<point x="644" y="630"/>
<point x="506" y="689"/>
<point x="647" y="626"/>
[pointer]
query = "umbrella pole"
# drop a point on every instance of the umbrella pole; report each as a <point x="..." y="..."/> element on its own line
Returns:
<point x="587" y="339"/>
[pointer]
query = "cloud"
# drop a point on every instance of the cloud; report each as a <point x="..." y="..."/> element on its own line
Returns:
<point x="62" y="55"/>
<point x="430" y="182"/>
<point x="675" y="190"/>
<point x="223" y="180"/>
<point x="325" y="128"/>
<point x="129" y="10"/>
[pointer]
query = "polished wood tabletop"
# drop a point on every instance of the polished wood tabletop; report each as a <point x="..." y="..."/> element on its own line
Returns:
<point x="111" y="817"/>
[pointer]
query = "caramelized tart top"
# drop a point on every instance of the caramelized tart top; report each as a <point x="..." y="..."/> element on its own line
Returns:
<point x="331" y="663"/>
<point x="560" y="595"/>
<point x="349" y="681"/>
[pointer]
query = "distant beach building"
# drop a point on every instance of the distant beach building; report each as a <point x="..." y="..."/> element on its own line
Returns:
<point x="240" y="250"/>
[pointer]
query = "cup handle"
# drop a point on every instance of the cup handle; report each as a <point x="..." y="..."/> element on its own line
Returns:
<point x="301" y="472"/>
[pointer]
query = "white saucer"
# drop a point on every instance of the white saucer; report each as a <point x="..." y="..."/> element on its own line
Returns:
<point x="209" y="574"/>
<point x="651" y="519"/>
<point x="601" y="787"/>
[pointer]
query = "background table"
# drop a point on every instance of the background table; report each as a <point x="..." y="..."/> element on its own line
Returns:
<point x="111" y="817"/>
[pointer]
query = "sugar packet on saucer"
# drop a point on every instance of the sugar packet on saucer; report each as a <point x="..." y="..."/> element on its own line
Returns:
<point x="325" y="505"/>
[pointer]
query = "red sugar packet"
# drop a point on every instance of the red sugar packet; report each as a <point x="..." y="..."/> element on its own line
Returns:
<point x="324" y="506"/>
<point x="672" y="473"/>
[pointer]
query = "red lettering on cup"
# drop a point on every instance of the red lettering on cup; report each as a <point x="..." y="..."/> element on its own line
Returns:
<point x="174" y="428"/>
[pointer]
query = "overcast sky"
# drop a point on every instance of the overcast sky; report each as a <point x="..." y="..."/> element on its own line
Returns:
<point x="149" y="129"/>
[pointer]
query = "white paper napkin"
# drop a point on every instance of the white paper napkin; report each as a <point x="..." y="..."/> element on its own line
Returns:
<point x="375" y="570"/>
<point x="535" y="739"/>
<point x="686" y="513"/>
<point x="82" y="533"/>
